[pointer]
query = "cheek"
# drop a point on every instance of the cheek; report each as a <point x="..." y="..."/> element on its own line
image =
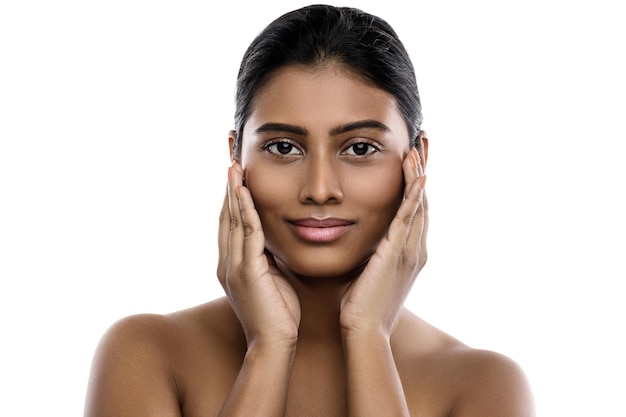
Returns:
<point x="269" y="189"/>
<point x="378" y="190"/>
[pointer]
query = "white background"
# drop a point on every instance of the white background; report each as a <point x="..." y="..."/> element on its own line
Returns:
<point x="113" y="156"/>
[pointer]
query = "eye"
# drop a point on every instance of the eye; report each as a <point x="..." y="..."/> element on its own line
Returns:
<point x="361" y="149"/>
<point x="282" y="148"/>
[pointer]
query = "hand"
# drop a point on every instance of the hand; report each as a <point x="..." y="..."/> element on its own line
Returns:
<point x="265" y="303"/>
<point x="372" y="301"/>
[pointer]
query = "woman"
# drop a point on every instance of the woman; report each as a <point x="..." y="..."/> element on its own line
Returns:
<point x="322" y="234"/>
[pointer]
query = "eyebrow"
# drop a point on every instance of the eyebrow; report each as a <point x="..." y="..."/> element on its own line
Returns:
<point x="281" y="127"/>
<point x="361" y="124"/>
<point x="338" y="130"/>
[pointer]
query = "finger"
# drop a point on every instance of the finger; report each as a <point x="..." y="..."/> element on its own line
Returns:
<point x="410" y="169"/>
<point x="416" y="241"/>
<point x="426" y="221"/>
<point x="419" y="169"/>
<point x="413" y="170"/>
<point x="423" y="138"/>
<point x="222" y="241"/>
<point x="419" y="226"/>
<point x="420" y="161"/>
<point x="236" y="233"/>
<point x="254" y="239"/>
<point x="402" y="224"/>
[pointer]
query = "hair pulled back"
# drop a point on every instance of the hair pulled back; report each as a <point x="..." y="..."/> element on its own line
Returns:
<point x="317" y="35"/>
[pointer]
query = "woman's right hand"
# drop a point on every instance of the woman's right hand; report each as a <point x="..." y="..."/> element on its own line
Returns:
<point x="265" y="303"/>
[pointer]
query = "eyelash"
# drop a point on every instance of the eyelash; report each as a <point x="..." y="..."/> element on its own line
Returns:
<point x="269" y="145"/>
<point x="372" y="148"/>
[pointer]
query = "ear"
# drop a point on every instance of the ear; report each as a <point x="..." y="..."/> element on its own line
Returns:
<point x="423" y="147"/>
<point x="232" y="138"/>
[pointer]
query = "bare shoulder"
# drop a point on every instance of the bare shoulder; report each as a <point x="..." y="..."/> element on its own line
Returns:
<point x="143" y="362"/>
<point x="129" y="371"/>
<point x="489" y="384"/>
<point x="461" y="380"/>
<point x="155" y="336"/>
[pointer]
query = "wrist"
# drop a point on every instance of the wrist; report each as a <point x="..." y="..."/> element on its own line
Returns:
<point x="270" y="340"/>
<point x="365" y="329"/>
<point x="365" y="336"/>
<point x="267" y="350"/>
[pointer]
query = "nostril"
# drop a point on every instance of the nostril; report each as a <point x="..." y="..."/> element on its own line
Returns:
<point x="320" y="181"/>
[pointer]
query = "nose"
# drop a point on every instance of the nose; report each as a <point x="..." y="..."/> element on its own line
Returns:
<point x="321" y="182"/>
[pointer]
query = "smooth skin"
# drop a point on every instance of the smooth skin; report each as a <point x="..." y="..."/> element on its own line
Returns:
<point x="310" y="328"/>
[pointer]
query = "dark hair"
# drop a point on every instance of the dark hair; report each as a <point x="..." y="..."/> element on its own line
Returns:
<point x="319" y="34"/>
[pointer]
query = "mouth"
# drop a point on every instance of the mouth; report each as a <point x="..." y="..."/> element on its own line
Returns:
<point x="321" y="230"/>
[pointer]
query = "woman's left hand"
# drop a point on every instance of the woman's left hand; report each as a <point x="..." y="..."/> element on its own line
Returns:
<point x="372" y="301"/>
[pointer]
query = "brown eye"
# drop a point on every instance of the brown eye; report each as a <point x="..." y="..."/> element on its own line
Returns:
<point x="282" y="148"/>
<point x="361" y="149"/>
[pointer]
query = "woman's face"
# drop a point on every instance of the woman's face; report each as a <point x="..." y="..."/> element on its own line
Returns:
<point x="322" y="156"/>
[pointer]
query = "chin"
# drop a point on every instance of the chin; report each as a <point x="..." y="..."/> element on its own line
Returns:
<point x="330" y="267"/>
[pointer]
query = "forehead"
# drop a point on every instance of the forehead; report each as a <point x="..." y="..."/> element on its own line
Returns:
<point x="319" y="98"/>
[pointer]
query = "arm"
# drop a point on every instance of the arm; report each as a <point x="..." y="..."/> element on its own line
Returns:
<point x="374" y="386"/>
<point x="261" y="386"/>
<point x="371" y="304"/>
<point x="266" y="306"/>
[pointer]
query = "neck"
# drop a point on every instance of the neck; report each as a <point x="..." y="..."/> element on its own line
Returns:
<point x="320" y="303"/>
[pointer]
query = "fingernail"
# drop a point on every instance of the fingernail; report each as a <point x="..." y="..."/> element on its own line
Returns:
<point x="422" y="181"/>
<point x="238" y="191"/>
<point x="413" y="159"/>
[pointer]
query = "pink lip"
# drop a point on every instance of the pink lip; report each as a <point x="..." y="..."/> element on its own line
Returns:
<point x="321" y="230"/>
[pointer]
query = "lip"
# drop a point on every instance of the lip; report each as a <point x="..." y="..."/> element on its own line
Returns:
<point x="321" y="230"/>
